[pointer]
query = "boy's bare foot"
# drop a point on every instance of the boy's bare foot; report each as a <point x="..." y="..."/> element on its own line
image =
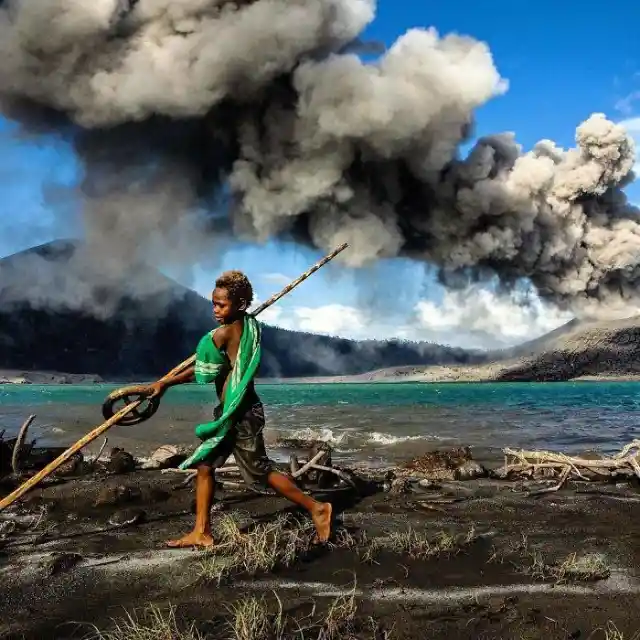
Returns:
<point x="321" y="516"/>
<point x="193" y="539"/>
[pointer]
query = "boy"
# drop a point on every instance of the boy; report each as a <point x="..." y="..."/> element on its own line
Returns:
<point x="229" y="356"/>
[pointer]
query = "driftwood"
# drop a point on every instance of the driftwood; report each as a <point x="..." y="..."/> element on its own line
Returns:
<point x="627" y="460"/>
<point x="306" y="469"/>
<point x="16" y="457"/>
<point x="14" y="451"/>
<point x="97" y="458"/>
<point x="312" y="464"/>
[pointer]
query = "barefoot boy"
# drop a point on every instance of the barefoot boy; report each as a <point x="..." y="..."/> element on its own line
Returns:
<point x="230" y="356"/>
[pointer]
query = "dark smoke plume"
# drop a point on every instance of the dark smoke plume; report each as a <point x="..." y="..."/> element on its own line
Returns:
<point x="186" y="109"/>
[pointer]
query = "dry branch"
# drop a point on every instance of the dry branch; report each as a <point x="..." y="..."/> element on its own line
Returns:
<point x="234" y="470"/>
<point x="293" y="464"/>
<point x="567" y="466"/>
<point x="309" y="465"/>
<point x="17" y="448"/>
<point x="102" y="448"/>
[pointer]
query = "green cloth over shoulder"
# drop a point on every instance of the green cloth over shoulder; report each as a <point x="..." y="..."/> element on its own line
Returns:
<point x="209" y="363"/>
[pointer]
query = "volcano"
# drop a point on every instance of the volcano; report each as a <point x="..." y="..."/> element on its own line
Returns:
<point x="57" y="315"/>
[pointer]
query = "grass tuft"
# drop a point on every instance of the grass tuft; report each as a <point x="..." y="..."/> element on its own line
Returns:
<point x="262" y="549"/>
<point x="153" y="624"/>
<point x="417" y="545"/>
<point x="611" y="632"/>
<point x="572" y="568"/>
<point x="251" y="620"/>
<point x="255" y="618"/>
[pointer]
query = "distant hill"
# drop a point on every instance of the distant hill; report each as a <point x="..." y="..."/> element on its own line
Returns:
<point x="535" y="346"/>
<point x="63" y="309"/>
<point x="578" y="349"/>
<point x="581" y="349"/>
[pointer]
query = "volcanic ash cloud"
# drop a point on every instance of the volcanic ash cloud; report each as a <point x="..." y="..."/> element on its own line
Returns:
<point x="174" y="102"/>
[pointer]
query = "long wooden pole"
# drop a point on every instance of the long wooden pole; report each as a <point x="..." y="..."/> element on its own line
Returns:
<point x="92" y="435"/>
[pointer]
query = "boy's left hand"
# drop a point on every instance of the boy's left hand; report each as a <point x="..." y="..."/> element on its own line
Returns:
<point x="157" y="390"/>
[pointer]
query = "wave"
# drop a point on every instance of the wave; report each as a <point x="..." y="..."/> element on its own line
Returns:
<point x="343" y="441"/>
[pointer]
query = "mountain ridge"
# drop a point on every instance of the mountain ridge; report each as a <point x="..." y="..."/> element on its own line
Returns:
<point x="63" y="309"/>
<point x="578" y="350"/>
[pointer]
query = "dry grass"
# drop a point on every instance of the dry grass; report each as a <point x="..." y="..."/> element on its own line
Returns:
<point x="154" y="624"/>
<point x="417" y="545"/>
<point x="252" y="620"/>
<point x="340" y="618"/>
<point x="611" y="632"/>
<point x="573" y="568"/>
<point x="264" y="548"/>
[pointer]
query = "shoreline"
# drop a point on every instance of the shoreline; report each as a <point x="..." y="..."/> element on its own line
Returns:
<point x="438" y="558"/>
<point x="19" y="376"/>
<point x="442" y="380"/>
<point x="431" y="375"/>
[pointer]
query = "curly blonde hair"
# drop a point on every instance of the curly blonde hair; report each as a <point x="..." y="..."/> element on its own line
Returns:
<point x="237" y="285"/>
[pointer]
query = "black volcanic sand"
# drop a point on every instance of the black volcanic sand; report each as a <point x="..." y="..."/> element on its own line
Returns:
<point x="66" y="557"/>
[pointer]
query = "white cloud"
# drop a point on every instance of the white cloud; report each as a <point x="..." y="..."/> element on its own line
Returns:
<point x="626" y="105"/>
<point x="270" y="315"/>
<point x="276" y="278"/>
<point x="473" y="318"/>
<point x="328" y="319"/>
<point x="480" y="318"/>
<point x="336" y="319"/>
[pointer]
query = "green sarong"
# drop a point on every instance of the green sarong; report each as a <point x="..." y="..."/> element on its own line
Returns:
<point x="209" y="363"/>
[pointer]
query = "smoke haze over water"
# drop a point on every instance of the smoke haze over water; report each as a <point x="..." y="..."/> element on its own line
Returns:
<point x="181" y="109"/>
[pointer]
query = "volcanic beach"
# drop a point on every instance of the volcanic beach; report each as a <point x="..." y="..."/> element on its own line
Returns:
<point x="263" y="111"/>
<point x="442" y="547"/>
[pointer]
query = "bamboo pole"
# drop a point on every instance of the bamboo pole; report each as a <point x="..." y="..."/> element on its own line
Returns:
<point x="92" y="435"/>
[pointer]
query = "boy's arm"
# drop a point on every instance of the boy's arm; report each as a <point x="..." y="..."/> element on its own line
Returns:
<point x="158" y="388"/>
<point x="220" y="338"/>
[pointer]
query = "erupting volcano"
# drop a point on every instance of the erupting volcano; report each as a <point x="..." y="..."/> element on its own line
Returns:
<point x="202" y="118"/>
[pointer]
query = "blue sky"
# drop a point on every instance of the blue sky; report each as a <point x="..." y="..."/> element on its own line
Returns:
<point x="563" y="61"/>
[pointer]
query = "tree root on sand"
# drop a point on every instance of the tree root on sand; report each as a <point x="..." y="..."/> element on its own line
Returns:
<point x="530" y="462"/>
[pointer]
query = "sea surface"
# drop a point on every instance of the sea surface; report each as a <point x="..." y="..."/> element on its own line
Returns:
<point x="374" y="423"/>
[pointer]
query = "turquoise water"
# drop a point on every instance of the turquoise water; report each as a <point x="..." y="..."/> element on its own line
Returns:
<point x="616" y="396"/>
<point x="374" y="421"/>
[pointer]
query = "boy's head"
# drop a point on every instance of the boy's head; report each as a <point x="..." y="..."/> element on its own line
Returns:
<point x="232" y="296"/>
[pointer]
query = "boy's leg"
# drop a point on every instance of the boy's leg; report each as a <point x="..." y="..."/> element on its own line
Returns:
<point x="205" y="487"/>
<point x="320" y="511"/>
<point x="201" y="534"/>
<point x="251" y="457"/>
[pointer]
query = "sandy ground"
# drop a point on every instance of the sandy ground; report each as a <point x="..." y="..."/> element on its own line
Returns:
<point x="497" y="564"/>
